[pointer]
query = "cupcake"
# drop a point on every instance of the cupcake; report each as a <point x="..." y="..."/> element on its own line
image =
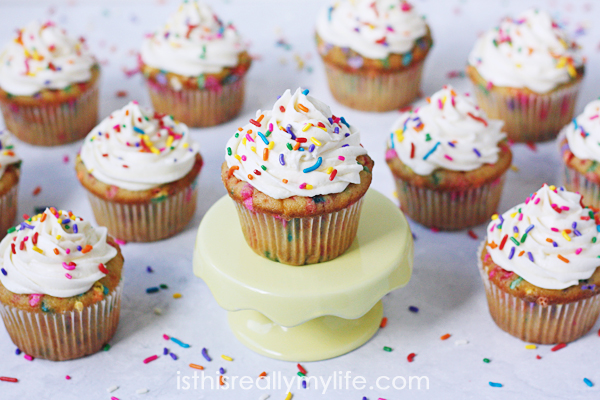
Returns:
<point x="374" y="52"/>
<point x="140" y="170"/>
<point x="297" y="175"/>
<point x="540" y="267"/>
<point x="580" y="154"/>
<point x="60" y="286"/>
<point x="10" y="171"/>
<point x="48" y="86"/>
<point x="527" y="72"/>
<point x="195" y="66"/>
<point x="449" y="162"/>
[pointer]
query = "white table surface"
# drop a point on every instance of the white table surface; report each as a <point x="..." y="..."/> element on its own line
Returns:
<point x="445" y="286"/>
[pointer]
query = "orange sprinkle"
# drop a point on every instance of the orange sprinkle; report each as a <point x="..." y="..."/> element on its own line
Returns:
<point x="265" y="154"/>
<point x="302" y="108"/>
<point x="240" y="129"/>
<point x="383" y="322"/>
<point x="56" y="251"/>
<point x="284" y="180"/>
<point x="446" y="336"/>
<point x="230" y="172"/>
<point x="561" y="258"/>
<point x="250" y="177"/>
<point x="43" y="218"/>
<point x="249" y="131"/>
<point x="221" y="380"/>
<point x="567" y="231"/>
<point x="493" y="245"/>
<point x="262" y="375"/>
<point x="297" y="146"/>
<point x="260" y="118"/>
<point x="196" y="366"/>
<point x="549" y="240"/>
<point x="521" y="253"/>
<point x="87" y="249"/>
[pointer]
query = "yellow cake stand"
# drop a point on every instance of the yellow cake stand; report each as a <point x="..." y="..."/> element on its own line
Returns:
<point x="308" y="313"/>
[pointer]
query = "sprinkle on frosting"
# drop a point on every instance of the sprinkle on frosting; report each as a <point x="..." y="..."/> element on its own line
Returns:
<point x="583" y="134"/>
<point x="550" y="240"/>
<point x="138" y="149"/>
<point x="42" y="56"/>
<point x="530" y="51"/>
<point x="194" y="41"/>
<point x="306" y="151"/>
<point x="373" y="28"/>
<point x="450" y="132"/>
<point x="7" y="154"/>
<point x="54" y="253"/>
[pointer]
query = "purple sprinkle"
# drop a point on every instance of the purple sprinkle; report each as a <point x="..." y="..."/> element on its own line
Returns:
<point x="347" y="134"/>
<point x="75" y="230"/>
<point x="173" y="356"/>
<point x="574" y="225"/>
<point x="346" y="145"/>
<point x="330" y="120"/>
<point x="515" y="229"/>
<point x="311" y="148"/>
<point x="530" y="256"/>
<point x="554" y="244"/>
<point x="336" y="130"/>
<point x="17" y="351"/>
<point x="512" y="253"/>
<point x="576" y="232"/>
<point x="79" y="248"/>
<point x="289" y="130"/>
<point x="205" y="355"/>
<point x="529" y="228"/>
<point x="165" y="351"/>
<point x="4" y="272"/>
<point x="477" y="152"/>
<point x="413" y="309"/>
<point x="66" y="221"/>
<point x="149" y="269"/>
<point x="221" y="370"/>
<point x="281" y="160"/>
<point x="304" y="384"/>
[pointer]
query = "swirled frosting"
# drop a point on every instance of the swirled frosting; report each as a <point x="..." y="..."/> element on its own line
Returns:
<point x="449" y="133"/>
<point x="194" y="41"/>
<point x="7" y="154"/>
<point x="550" y="240"/>
<point x="137" y="149"/>
<point x="42" y="56"/>
<point x="299" y="148"/>
<point x="583" y="134"/>
<point x="530" y="51"/>
<point x="373" y="28"/>
<point x="54" y="253"/>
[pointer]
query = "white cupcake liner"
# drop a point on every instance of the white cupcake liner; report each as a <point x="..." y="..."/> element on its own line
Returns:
<point x="375" y="92"/>
<point x="535" y="323"/>
<point x="8" y="209"/>
<point x="300" y="241"/>
<point x="449" y="210"/>
<point x="64" y="336"/>
<point x="146" y="222"/>
<point x="529" y="117"/>
<point x="53" y="124"/>
<point x="199" y="107"/>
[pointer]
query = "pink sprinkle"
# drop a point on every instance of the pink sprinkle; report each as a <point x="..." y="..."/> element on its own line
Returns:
<point x="66" y="159"/>
<point x="520" y="217"/>
<point x="28" y="357"/>
<point x="118" y="241"/>
<point x="489" y="86"/>
<point x="341" y="158"/>
<point x="150" y="359"/>
<point x="492" y="272"/>
<point x="594" y="117"/>
<point x="68" y="276"/>
<point x="536" y="201"/>
<point x="249" y="137"/>
<point x="114" y="398"/>
<point x="166" y="337"/>
<point x="527" y="201"/>
<point x="390" y="154"/>
<point x="440" y="104"/>
<point x="448" y="157"/>
<point x="578" y="251"/>
<point x="303" y="186"/>
<point x="68" y="377"/>
<point x="34" y="299"/>
<point x="69" y="250"/>
<point x="564" y="208"/>
<point x="554" y="230"/>
<point x="243" y="158"/>
<point x="434" y="229"/>
<point x="68" y="267"/>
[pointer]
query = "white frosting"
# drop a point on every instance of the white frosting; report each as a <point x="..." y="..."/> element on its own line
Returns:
<point x="193" y="42"/>
<point x="137" y="149"/>
<point x="43" y="57"/>
<point x="373" y="28"/>
<point x="583" y="134"/>
<point x="7" y="154"/>
<point x="326" y="142"/>
<point x="550" y="235"/>
<point x="448" y="133"/>
<point x="33" y="267"/>
<point x="530" y="51"/>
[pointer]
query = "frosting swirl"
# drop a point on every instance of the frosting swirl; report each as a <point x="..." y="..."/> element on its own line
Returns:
<point x="530" y="51"/>
<point x="550" y="240"/>
<point x="450" y="133"/>
<point x="7" y="155"/>
<point x="54" y="253"/>
<point x="583" y="134"/>
<point x="299" y="148"/>
<point x="137" y="149"/>
<point x="42" y="56"/>
<point x="193" y="42"/>
<point x="373" y="28"/>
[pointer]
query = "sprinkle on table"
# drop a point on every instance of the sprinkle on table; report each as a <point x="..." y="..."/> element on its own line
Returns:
<point x="384" y="322"/>
<point x="301" y="369"/>
<point x="588" y="382"/>
<point x="179" y="342"/>
<point x="196" y="366"/>
<point x="150" y="359"/>
<point x="289" y="396"/>
<point x="411" y="357"/>
<point x="486" y="360"/>
<point x="386" y="348"/>
<point x="7" y="379"/>
<point x="495" y="384"/>
<point x="205" y="355"/>
<point x="226" y="358"/>
<point x="414" y="309"/>
<point x="445" y="337"/>
<point x="559" y="346"/>
<point x="531" y="347"/>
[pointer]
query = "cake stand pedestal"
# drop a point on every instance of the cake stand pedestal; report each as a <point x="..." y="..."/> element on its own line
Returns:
<point x="307" y="313"/>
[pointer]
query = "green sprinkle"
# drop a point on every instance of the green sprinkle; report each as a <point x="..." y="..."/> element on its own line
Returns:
<point x="388" y="349"/>
<point x="486" y="360"/>
<point x="427" y="137"/>
<point x="267" y="133"/>
<point x="229" y="151"/>
<point x="515" y="241"/>
<point x="516" y="282"/>
<point x="523" y="238"/>
<point x="263" y="167"/>
<point x="237" y="135"/>
<point x="301" y="374"/>
<point x="11" y="230"/>
<point x="163" y="286"/>
<point x="289" y="146"/>
<point x="66" y="226"/>
<point x="594" y="239"/>
<point x="106" y="347"/>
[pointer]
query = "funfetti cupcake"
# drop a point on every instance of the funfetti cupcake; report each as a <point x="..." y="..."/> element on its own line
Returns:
<point x="60" y="286"/>
<point x="297" y="174"/>
<point x="48" y="86"/>
<point x="195" y="67"/>
<point x="580" y="153"/>
<point x="374" y="52"/>
<point x="540" y="266"/>
<point x="527" y="72"/>
<point x="140" y="169"/>
<point x="449" y="162"/>
<point x="10" y="173"/>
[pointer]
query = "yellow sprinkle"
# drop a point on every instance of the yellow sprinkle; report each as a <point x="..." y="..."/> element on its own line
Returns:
<point x="271" y="145"/>
<point x="531" y="347"/>
<point x="561" y="62"/>
<point x="571" y="70"/>
<point x="552" y="187"/>
<point x="566" y="236"/>
<point x="395" y="194"/>
<point x="495" y="216"/>
<point x="515" y="235"/>
<point x="237" y="157"/>
<point x="244" y="141"/>
<point x="177" y="296"/>
<point x="35" y="248"/>
<point x="514" y="168"/>
<point x="309" y="187"/>
<point x="186" y="145"/>
<point x="58" y="237"/>
<point x="253" y="148"/>
<point x="60" y="221"/>
<point x="289" y="396"/>
<point x="513" y="214"/>
<point x="307" y="127"/>
<point x="154" y="150"/>
<point x="79" y="306"/>
<point x="226" y="358"/>
<point x="169" y="141"/>
<point x="315" y="141"/>
<point x="329" y="170"/>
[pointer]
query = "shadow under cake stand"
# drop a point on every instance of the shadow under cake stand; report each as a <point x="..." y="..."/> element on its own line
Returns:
<point x="307" y="313"/>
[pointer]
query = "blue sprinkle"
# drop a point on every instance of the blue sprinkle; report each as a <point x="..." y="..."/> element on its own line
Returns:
<point x="66" y="221"/>
<point x="515" y="229"/>
<point x="413" y="309"/>
<point x="289" y="130"/>
<point x="24" y="226"/>
<point x="149" y="269"/>
<point x="138" y="130"/>
<point x="346" y="145"/>
<point x="330" y="120"/>
<point x="152" y="290"/>
<point x="451" y="144"/>
<point x="179" y="342"/>
<point x="264" y="139"/>
<point x="392" y="140"/>
<point x="165" y="351"/>
<point x="477" y="152"/>
<point x="529" y="228"/>
<point x="576" y="232"/>
<point x="221" y="370"/>
<point x="344" y="122"/>
<point x="598" y="228"/>
<point x="347" y="134"/>
<point x="530" y="256"/>
<point x="205" y="355"/>
<point x="314" y="167"/>
<point x="336" y="130"/>
<point x="281" y="160"/>
<point x="575" y="123"/>
<point x="311" y="148"/>
<point x="512" y="253"/>
<point x="305" y="92"/>
<point x="75" y="230"/>
<point x="79" y="248"/>
<point x="301" y="149"/>
<point x="303" y="384"/>
<point x="494" y="384"/>
<point x="17" y="351"/>
<point x="431" y="151"/>
<point x="574" y="225"/>
<point x="173" y="356"/>
<point x="554" y="244"/>
<point x="588" y="382"/>
<point x="4" y="272"/>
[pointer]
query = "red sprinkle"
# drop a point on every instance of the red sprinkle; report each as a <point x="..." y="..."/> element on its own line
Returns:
<point x="282" y="108"/>
<point x="37" y="190"/>
<point x="150" y="359"/>
<point x="255" y="123"/>
<point x="102" y="269"/>
<point x="483" y="121"/>
<point x="333" y="174"/>
<point x="411" y="357"/>
<point x="538" y="357"/>
<point x="412" y="150"/>
<point x="301" y="369"/>
<point x="383" y="322"/>
<point x="7" y="379"/>
<point x="503" y="242"/>
<point x="532" y="146"/>
<point x="559" y="346"/>
<point x="473" y="235"/>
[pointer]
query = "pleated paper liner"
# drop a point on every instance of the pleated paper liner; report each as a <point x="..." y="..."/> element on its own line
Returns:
<point x="529" y="117"/>
<point x="64" y="336"/>
<point x="535" y="323"/>
<point x="449" y="210"/>
<point x="574" y="181"/>
<point x="8" y="209"/>
<point x="199" y="107"/>
<point x="148" y="221"/>
<point x="375" y="92"/>
<point x="300" y="241"/>
<point x="53" y="124"/>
